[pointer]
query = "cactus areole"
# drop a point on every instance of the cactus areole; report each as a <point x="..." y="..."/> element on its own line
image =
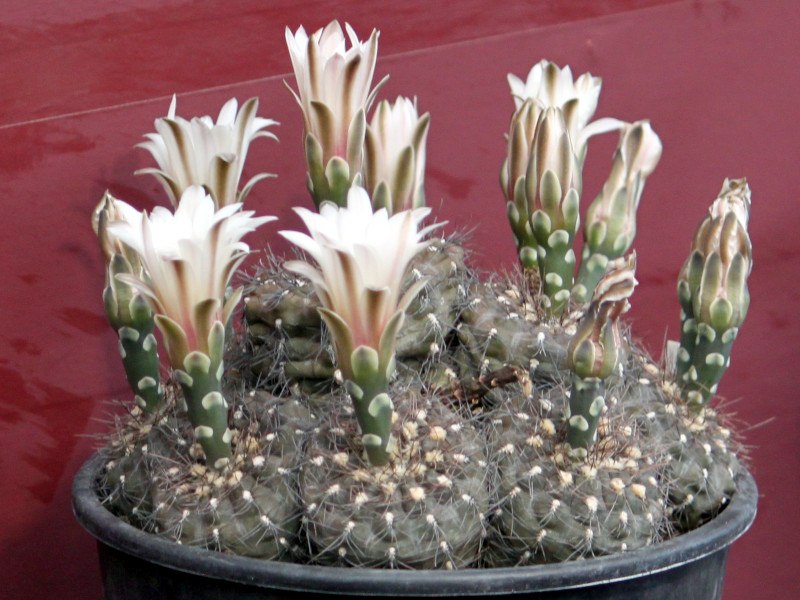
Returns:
<point x="377" y="403"/>
<point x="141" y="566"/>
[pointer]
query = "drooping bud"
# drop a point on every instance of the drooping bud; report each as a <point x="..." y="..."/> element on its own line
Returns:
<point x="593" y="352"/>
<point x="712" y="289"/>
<point x="611" y="219"/>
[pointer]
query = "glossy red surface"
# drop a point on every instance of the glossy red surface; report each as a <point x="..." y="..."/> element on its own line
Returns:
<point x="82" y="81"/>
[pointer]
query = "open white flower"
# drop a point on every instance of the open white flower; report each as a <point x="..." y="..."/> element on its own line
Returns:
<point x="333" y="81"/>
<point x="202" y="152"/>
<point x="188" y="259"/>
<point x="550" y="86"/>
<point x="394" y="165"/>
<point x="333" y="91"/>
<point x="362" y="259"/>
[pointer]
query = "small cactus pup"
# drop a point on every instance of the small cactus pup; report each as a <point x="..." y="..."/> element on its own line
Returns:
<point x="333" y="91"/>
<point x="362" y="258"/>
<point x="128" y="311"/>
<point x="712" y="289"/>
<point x="541" y="176"/>
<point x="188" y="258"/>
<point x="610" y="225"/>
<point x="207" y="153"/>
<point x="394" y="156"/>
<point x="593" y="352"/>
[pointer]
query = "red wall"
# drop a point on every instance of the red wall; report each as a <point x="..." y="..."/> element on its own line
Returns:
<point x="82" y="81"/>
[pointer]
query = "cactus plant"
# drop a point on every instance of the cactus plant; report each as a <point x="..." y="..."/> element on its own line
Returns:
<point x="382" y="404"/>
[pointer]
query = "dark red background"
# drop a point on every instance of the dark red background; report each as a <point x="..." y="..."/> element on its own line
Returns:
<point x="82" y="81"/>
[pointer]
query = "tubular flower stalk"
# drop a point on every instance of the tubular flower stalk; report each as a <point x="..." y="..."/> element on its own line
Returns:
<point x="333" y="91"/>
<point x="188" y="259"/>
<point x="362" y="259"/>
<point x="712" y="289"/>
<point x="552" y="190"/>
<point x="206" y="153"/>
<point x="127" y="310"/>
<point x="394" y="161"/>
<point x="610" y="226"/>
<point x="593" y="352"/>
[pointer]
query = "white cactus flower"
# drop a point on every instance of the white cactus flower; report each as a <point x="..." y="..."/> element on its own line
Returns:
<point x="550" y="86"/>
<point x="394" y="166"/>
<point x="207" y="153"/>
<point x="333" y="83"/>
<point x="362" y="259"/>
<point x="188" y="258"/>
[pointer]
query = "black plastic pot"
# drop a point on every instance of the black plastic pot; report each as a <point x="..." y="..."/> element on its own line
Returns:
<point x="140" y="566"/>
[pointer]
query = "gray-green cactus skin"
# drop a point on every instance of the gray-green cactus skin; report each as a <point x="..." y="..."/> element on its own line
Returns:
<point x="288" y="347"/>
<point x="654" y="470"/>
<point x="155" y="478"/>
<point x="555" y="504"/>
<point x="480" y="474"/>
<point x="501" y="325"/>
<point x="426" y="509"/>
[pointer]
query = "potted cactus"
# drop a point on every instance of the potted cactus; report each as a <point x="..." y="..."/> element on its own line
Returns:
<point x="382" y="406"/>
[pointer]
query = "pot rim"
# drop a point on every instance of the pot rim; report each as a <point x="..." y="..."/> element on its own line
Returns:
<point x="112" y="531"/>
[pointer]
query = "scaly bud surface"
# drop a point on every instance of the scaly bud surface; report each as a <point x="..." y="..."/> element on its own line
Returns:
<point x="712" y="289"/>
<point x="611" y="219"/>
<point x="594" y="350"/>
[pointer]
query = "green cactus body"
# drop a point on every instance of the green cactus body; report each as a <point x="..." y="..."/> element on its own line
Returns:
<point x="285" y="335"/>
<point x="501" y="326"/>
<point x="249" y="508"/>
<point x="501" y="486"/>
<point x="423" y="510"/>
<point x="554" y="504"/>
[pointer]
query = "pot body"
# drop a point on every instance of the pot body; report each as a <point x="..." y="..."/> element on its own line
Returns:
<point x="139" y="566"/>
